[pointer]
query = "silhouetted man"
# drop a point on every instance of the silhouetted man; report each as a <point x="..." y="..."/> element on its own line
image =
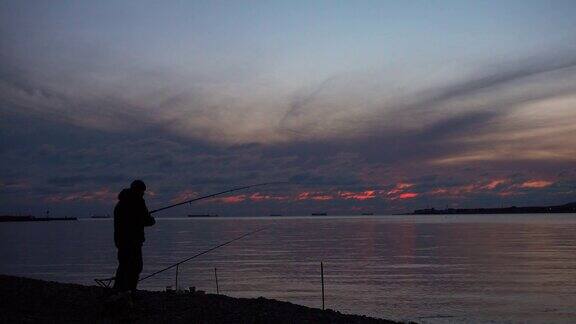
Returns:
<point x="130" y="217"/>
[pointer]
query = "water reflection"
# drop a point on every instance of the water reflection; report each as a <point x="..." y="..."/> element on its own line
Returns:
<point x="425" y="268"/>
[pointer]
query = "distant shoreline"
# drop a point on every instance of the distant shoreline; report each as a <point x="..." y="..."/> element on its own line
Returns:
<point x="31" y="300"/>
<point x="561" y="209"/>
<point x="29" y="218"/>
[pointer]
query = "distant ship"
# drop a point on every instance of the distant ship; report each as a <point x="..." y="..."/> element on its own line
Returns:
<point x="319" y="214"/>
<point x="275" y="214"/>
<point x="367" y="214"/>
<point x="202" y="215"/>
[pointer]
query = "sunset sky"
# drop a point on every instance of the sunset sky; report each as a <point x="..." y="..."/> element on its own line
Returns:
<point x="363" y="106"/>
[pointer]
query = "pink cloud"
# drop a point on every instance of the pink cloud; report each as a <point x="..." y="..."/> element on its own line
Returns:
<point x="440" y="191"/>
<point x="404" y="185"/>
<point x="182" y="196"/>
<point x="502" y="187"/>
<point x="260" y="197"/>
<point x="313" y="196"/>
<point x="536" y="184"/>
<point x="363" y="195"/>
<point x="18" y="184"/>
<point x="493" y="184"/>
<point x="232" y="199"/>
<point x="479" y="187"/>
<point x="256" y="197"/>
<point x="103" y="194"/>
<point x="399" y="191"/>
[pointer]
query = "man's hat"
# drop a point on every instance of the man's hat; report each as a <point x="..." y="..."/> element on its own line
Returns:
<point x="138" y="185"/>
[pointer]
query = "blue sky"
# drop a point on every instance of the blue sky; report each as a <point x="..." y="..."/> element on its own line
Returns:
<point x="460" y="103"/>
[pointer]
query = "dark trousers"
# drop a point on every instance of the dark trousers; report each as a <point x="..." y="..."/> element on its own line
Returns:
<point x="129" y="268"/>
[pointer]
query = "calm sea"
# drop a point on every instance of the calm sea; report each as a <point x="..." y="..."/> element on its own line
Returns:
<point x="430" y="269"/>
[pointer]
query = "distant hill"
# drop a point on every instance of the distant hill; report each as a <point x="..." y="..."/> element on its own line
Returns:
<point x="566" y="208"/>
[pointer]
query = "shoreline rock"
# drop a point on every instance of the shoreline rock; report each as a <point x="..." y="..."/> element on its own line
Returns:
<point x="24" y="300"/>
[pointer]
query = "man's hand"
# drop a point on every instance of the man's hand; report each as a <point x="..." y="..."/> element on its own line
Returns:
<point x="149" y="221"/>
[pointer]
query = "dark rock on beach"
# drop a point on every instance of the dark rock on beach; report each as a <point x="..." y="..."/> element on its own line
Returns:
<point x="24" y="300"/>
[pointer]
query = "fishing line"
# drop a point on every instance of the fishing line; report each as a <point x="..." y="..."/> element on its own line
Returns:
<point x="108" y="281"/>
<point x="202" y="253"/>
<point x="218" y="246"/>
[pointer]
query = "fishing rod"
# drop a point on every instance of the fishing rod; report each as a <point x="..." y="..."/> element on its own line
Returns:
<point x="202" y="253"/>
<point x="106" y="283"/>
<point x="215" y="194"/>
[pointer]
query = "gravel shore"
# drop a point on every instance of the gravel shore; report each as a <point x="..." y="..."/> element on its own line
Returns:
<point x="24" y="300"/>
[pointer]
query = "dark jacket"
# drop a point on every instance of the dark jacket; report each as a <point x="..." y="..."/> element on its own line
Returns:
<point x="130" y="217"/>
